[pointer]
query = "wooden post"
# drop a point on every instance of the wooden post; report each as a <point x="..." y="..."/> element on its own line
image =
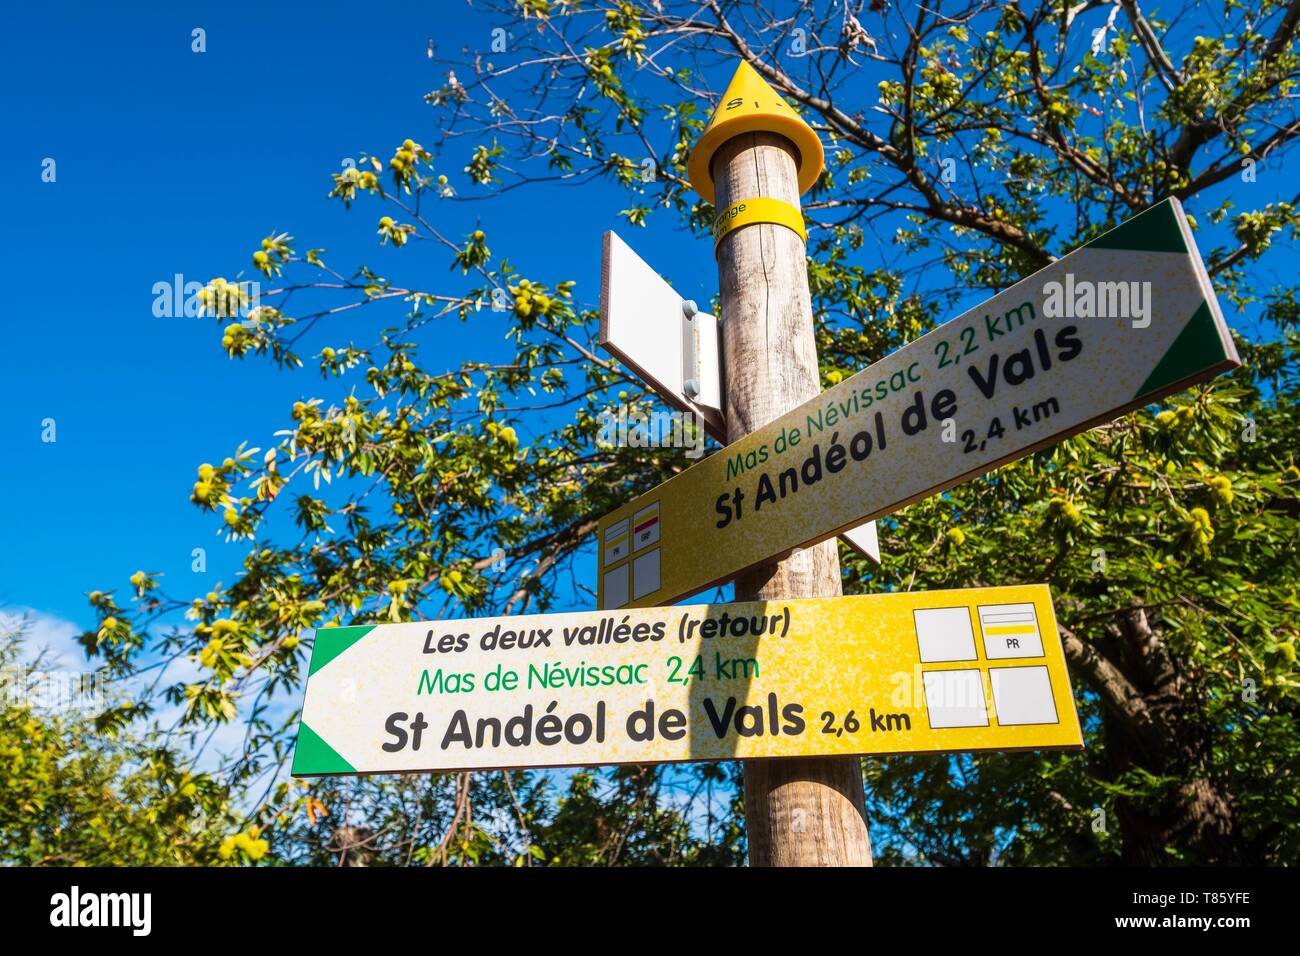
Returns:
<point x="804" y="811"/>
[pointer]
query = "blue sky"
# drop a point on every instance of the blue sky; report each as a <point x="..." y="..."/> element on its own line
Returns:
<point x="170" y="161"/>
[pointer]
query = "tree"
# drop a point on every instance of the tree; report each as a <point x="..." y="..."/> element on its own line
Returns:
<point x="74" y="793"/>
<point x="975" y="142"/>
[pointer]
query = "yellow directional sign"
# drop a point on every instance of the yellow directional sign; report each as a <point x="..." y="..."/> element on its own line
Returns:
<point x="750" y="105"/>
<point x="921" y="672"/>
<point x="1115" y="325"/>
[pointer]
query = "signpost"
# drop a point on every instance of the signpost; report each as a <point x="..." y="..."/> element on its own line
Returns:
<point x="1115" y="325"/>
<point x="920" y="672"/>
<point x="793" y="669"/>
<point x="1120" y="323"/>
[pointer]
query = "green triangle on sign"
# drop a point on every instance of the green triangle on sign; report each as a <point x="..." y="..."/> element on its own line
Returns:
<point x="1198" y="345"/>
<point x="313" y="755"/>
<point x="1155" y="230"/>
<point x="332" y="641"/>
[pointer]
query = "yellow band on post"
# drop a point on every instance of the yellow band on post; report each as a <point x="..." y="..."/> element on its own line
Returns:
<point x="745" y="212"/>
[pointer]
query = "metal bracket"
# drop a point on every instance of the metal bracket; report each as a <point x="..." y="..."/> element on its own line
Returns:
<point x="701" y="364"/>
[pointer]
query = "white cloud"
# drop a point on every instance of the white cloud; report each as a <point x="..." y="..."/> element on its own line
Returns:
<point x="54" y="636"/>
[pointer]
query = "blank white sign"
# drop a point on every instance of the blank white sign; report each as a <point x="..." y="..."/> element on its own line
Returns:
<point x="641" y="324"/>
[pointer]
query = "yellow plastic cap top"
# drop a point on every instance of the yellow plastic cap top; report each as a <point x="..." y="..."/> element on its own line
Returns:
<point x="750" y="105"/>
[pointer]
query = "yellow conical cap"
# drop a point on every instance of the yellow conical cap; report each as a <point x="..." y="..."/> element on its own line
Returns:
<point x="750" y="105"/>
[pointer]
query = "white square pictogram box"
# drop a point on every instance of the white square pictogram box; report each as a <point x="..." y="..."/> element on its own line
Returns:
<point x="944" y="634"/>
<point x="955" y="699"/>
<point x="1023" y="695"/>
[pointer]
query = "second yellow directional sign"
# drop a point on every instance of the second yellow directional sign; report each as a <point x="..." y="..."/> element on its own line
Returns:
<point x="923" y="672"/>
<point x="1115" y="325"/>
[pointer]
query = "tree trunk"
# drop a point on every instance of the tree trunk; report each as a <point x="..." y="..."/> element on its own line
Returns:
<point x="1151" y="724"/>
